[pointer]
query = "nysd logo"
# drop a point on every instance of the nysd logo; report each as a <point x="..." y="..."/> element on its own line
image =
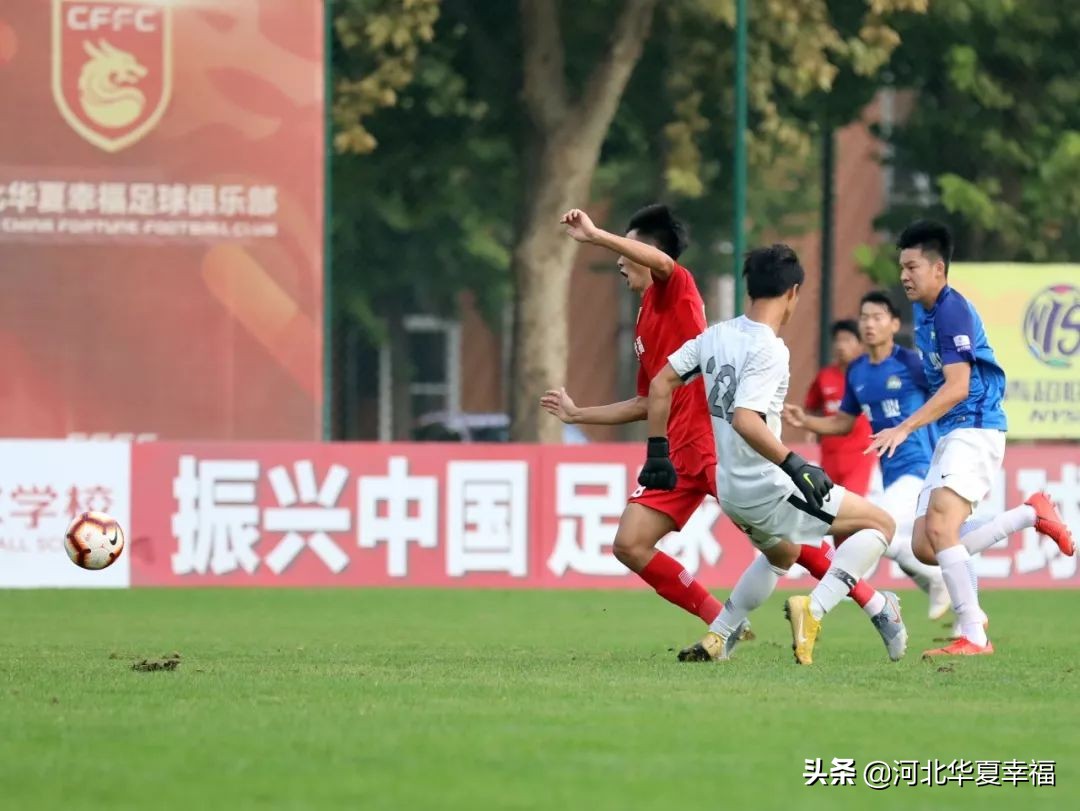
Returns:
<point x="1052" y="326"/>
<point x="111" y="67"/>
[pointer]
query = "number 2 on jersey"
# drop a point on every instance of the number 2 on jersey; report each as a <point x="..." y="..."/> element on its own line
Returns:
<point x="722" y="394"/>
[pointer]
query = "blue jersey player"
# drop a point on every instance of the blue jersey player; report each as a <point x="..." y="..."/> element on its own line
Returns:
<point x="887" y="384"/>
<point x="966" y="387"/>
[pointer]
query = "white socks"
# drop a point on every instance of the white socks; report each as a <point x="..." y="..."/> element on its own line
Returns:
<point x="753" y="588"/>
<point x="853" y="559"/>
<point x="978" y="534"/>
<point x="874" y="604"/>
<point x="900" y="551"/>
<point x="963" y="586"/>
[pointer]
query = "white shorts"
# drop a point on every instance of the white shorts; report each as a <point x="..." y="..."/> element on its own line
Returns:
<point x="899" y="500"/>
<point x="966" y="461"/>
<point x="788" y="518"/>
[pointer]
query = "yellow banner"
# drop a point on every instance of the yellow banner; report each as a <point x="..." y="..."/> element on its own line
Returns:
<point x="1032" y="317"/>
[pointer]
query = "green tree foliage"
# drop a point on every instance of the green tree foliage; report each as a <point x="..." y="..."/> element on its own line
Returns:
<point x="811" y="63"/>
<point x="450" y="138"/>
<point x="383" y="39"/>
<point x="994" y="131"/>
<point x="421" y="190"/>
<point x="422" y="183"/>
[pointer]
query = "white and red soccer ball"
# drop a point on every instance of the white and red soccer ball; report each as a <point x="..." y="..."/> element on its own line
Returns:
<point x="94" y="540"/>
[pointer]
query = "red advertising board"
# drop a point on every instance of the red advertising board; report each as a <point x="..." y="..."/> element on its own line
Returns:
<point x="161" y="195"/>
<point x="509" y="516"/>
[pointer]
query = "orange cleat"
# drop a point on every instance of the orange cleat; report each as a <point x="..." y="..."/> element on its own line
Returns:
<point x="1048" y="522"/>
<point x="961" y="647"/>
<point x="956" y="634"/>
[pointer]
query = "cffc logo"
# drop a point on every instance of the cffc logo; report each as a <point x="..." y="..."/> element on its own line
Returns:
<point x="1052" y="326"/>
<point x="111" y="68"/>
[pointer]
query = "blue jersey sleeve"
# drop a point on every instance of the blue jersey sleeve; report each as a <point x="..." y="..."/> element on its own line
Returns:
<point x="955" y="331"/>
<point x="849" y="405"/>
<point x="913" y="363"/>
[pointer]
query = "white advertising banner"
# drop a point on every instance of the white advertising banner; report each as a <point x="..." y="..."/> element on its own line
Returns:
<point x="43" y="485"/>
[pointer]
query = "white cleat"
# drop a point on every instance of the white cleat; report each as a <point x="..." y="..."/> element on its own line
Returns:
<point x="890" y="625"/>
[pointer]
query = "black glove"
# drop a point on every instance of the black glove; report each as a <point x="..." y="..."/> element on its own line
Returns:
<point x="812" y="481"/>
<point x="658" y="472"/>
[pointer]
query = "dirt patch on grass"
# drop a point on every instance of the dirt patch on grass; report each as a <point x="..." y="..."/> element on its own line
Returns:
<point x="170" y="662"/>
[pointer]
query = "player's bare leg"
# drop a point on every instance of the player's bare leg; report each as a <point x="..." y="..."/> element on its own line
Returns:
<point x="870" y="530"/>
<point x="1039" y="513"/>
<point x="640" y="530"/>
<point x="979" y="534"/>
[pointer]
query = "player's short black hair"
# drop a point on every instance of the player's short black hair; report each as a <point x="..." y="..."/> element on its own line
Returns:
<point x="930" y="237"/>
<point x="845" y="325"/>
<point x="657" y="223"/>
<point x="771" y="272"/>
<point x="882" y="298"/>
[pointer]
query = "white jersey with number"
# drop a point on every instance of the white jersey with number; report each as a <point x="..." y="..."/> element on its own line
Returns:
<point x="745" y="365"/>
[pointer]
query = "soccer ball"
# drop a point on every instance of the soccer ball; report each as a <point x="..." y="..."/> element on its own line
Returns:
<point x="94" y="540"/>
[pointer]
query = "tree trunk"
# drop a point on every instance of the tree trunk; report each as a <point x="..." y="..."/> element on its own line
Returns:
<point x="542" y="261"/>
<point x="564" y="148"/>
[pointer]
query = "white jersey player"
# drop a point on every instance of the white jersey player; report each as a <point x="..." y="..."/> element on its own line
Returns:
<point x="774" y="495"/>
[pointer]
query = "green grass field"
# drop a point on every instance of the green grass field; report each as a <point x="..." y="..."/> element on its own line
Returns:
<point x="418" y="699"/>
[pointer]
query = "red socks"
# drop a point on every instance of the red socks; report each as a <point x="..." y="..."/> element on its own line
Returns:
<point x="676" y="585"/>
<point x="817" y="559"/>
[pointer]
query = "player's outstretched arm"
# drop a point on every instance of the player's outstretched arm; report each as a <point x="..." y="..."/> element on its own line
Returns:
<point x="559" y="404"/>
<point x="580" y="226"/>
<point x="658" y="473"/>
<point x="661" y="388"/>
<point x="836" y="425"/>
<point x="812" y="481"/>
<point x="953" y="391"/>
<point x="751" y="426"/>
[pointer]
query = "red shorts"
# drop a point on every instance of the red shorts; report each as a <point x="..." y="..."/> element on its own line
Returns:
<point x="690" y="490"/>
<point x="852" y="471"/>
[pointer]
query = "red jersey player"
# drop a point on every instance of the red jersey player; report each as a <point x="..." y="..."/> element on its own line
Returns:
<point x="671" y="313"/>
<point x="842" y="457"/>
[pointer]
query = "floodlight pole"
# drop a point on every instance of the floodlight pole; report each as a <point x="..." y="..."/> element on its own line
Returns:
<point x="739" y="225"/>
<point x="327" y="268"/>
<point x="828" y="237"/>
